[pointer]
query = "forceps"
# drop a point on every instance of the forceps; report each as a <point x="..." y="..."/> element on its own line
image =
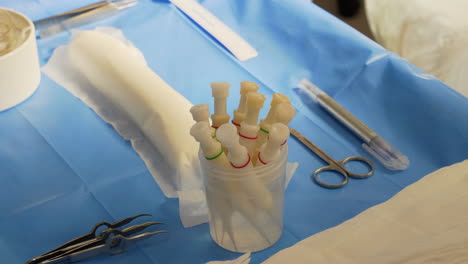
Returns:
<point x="110" y="240"/>
<point x="338" y="166"/>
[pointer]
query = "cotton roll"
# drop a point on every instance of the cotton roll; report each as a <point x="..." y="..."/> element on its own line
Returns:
<point x="162" y="114"/>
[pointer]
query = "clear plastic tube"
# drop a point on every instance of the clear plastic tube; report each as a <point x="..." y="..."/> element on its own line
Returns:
<point x="386" y="154"/>
<point x="374" y="144"/>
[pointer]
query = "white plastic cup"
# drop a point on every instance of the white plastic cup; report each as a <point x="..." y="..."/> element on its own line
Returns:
<point x="239" y="220"/>
<point x="19" y="65"/>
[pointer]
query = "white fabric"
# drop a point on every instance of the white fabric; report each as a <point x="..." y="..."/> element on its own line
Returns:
<point x="157" y="122"/>
<point x="243" y="259"/>
<point x="427" y="222"/>
<point x="431" y="34"/>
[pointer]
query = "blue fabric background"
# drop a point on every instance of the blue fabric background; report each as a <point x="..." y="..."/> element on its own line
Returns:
<point x="62" y="169"/>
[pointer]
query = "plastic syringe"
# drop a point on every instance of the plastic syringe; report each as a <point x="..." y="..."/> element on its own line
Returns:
<point x="374" y="144"/>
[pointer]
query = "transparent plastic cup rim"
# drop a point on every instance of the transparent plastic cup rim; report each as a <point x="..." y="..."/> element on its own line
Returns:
<point x="233" y="174"/>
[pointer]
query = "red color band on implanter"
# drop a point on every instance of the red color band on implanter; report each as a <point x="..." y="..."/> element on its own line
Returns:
<point x="234" y="122"/>
<point x="243" y="166"/>
<point x="260" y="159"/>
<point x="253" y="138"/>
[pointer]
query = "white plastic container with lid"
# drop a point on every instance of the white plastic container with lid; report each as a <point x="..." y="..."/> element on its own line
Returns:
<point x="19" y="63"/>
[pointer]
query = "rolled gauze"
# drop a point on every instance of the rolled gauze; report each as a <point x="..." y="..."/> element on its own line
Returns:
<point x="161" y="113"/>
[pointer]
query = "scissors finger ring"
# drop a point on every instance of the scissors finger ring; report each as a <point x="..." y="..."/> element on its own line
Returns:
<point x="360" y="160"/>
<point x="341" y="172"/>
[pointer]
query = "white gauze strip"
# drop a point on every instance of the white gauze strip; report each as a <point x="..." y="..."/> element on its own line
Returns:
<point x="111" y="76"/>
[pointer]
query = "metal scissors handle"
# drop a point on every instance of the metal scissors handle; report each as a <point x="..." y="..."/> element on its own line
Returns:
<point x="338" y="166"/>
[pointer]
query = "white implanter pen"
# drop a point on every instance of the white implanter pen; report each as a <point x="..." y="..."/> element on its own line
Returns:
<point x="265" y="124"/>
<point x="237" y="154"/>
<point x="212" y="149"/>
<point x="201" y="113"/>
<point x="240" y="158"/>
<point x="239" y="113"/>
<point x="249" y="127"/>
<point x="283" y="113"/>
<point x="220" y="92"/>
<point x="270" y="151"/>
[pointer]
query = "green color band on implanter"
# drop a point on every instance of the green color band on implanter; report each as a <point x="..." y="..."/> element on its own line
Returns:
<point x="219" y="154"/>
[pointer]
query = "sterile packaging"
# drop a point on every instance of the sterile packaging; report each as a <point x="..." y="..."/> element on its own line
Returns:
<point x="104" y="70"/>
<point x="237" y="221"/>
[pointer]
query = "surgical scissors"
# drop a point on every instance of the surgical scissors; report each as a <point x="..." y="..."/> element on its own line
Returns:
<point x="338" y="166"/>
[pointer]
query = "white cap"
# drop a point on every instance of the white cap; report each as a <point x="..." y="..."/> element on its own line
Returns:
<point x="220" y="89"/>
<point x="201" y="131"/>
<point x="284" y="113"/>
<point x="255" y="101"/>
<point x="270" y="151"/>
<point x="227" y="135"/>
<point x="254" y="104"/>
<point x="200" y="112"/>
<point x="279" y="132"/>
<point x="275" y="100"/>
<point x="247" y="87"/>
<point x="278" y="98"/>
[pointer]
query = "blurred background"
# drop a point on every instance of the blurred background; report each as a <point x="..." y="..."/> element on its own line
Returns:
<point x="431" y="34"/>
<point x="351" y="12"/>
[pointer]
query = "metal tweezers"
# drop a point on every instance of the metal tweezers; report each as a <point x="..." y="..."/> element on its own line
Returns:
<point x="108" y="241"/>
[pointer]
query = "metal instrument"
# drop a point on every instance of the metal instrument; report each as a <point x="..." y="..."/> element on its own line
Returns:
<point x="338" y="166"/>
<point x="84" y="15"/>
<point x="108" y="241"/>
